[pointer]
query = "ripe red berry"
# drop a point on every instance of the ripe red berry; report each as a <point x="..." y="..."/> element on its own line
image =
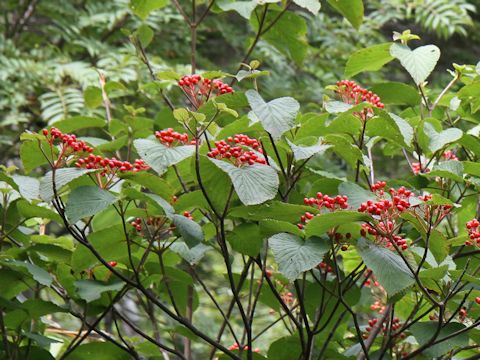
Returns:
<point x="112" y="263"/>
<point x="477" y="299"/>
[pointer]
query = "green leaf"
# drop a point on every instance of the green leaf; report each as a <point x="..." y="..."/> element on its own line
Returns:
<point x="192" y="255"/>
<point x="87" y="201"/>
<point x="191" y="231"/>
<point x="336" y="107"/>
<point x="305" y="152"/>
<point x="311" y="5"/>
<point x="276" y="210"/>
<point x="320" y="224"/>
<point x="419" y="62"/>
<point x="395" y="129"/>
<point x="254" y="184"/>
<point x="295" y="256"/>
<point x="150" y="182"/>
<point x="244" y="8"/>
<point x="396" y="93"/>
<point x="30" y="211"/>
<point x="270" y="227"/>
<point x="288" y="34"/>
<point x="159" y="156"/>
<point x="80" y="122"/>
<point x="352" y="10"/>
<point x="145" y="35"/>
<point x="38" y="274"/>
<point x="387" y="266"/>
<point x="246" y="239"/>
<point x="143" y="8"/>
<point x="372" y="58"/>
<point x="423" y="332"/>
<point x="62" y="178"/>
<point x="356" y="194"/>
<point x="448" y="169"/>
<point x="285" y="348"/>
<point x="28" y="187"/>
<point x="91" y="290"/>
<point x="31" y="155"/>
<point x="93" y="97"/>
<point x="440" y="139"/>
<point x="276" y="116"/>
<point x="99" y="351"/>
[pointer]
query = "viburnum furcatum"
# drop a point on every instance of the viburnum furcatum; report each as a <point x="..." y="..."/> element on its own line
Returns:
<point x="473" y="232"/>
<point x="109" y="168"/>
<point x="172" y="138"/>
<point x="352" y="93"/>
<point x="386" y="212"/>
<point x="239" y="150"/>
<point x="70" y="148"/>
<point x="449" y="155"/>
<point x="199" y="90"/>
<point x="320" y="202"/>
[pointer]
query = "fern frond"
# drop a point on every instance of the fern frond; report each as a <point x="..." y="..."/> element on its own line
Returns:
<point x="60" y="104"/>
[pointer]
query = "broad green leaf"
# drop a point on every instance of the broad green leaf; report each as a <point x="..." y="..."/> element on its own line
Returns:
<point x="191" y="231"/>
<point x="31" y="155"/>
<point x="305" y="152"/>
<point x="311" y="5"/>
<point x="395" y="129"/>
<point x="244" y="8"/>
<point x="336" y="107"/>
<point x="270" y="227"/>
<point x="38" y="307"/>
<point x="246" y="239"/>
<point x="254" y="184"/>
<point x="448" y="169"/>
<point x="165" y="205"/>
<point x="356" y="194"/>
<point x="28" y="187"/>
<point x="320" y="224"/>
<point x="352" y="10"/>
<point x="437" y="140"/>
<point x="372" y="58"/>
<point x="79" y="122"/>
<point x="91" y="290"/>
<point x="285" y="348"/>
<point x="62" y="178"/>
<point x="143" y="8"/>
<point x="30" y="211"/>
<point x="151" y="182"/>
<point x="288" y="34"/>
<point x="423" y="332"/>
<point x="159" y="156"/>
<point x="145" y="35"/>
<point x="99" y="351"/>
<point x="13" y="283"/>
<point x="396" y="93"/>
<point x="419" y="62"/>
<point x="109" y="242"/>
<point x="87" y="201"/>
<point x="273" y="210"/>
<point x="294" y="255"/>
<point x="276" y="116"/>
<point x="192" y="255"/>
<point x="40" y="275"/>
<point x="93" y="97"/>
<point x="388" y="267"/>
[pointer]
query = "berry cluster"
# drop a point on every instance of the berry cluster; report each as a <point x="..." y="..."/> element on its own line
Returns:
<point x="172" y="138"/>
<point x="372" y="322"/>
<point x="370" y="278"/>
<point x="237" y="347"/>
<point x="70" y="147"/>
<point x="187" y="215"/>
<point x="323" y="266"/>
<point x="383" y="233"/>
<point x="449" y="155"/>
<point x="199" y="90"/>
<point x="109" y="167"/>
<point x="322" y="202"/>
<point x="137" y="224"/>
<point x="352" y="93"/>
<point x="417" y="168"/>
<point x="473" y="232"/>
<point x="239" y="150"/>
<point x="387" y="211"/>
<point x="430" y="211"/>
